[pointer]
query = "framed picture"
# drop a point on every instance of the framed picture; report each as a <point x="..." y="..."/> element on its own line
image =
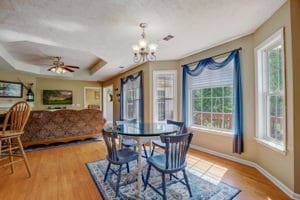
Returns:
<point x="10" y="89"/>
<point x="57" y="97"/>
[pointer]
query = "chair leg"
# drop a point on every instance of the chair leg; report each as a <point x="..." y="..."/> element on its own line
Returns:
<point x="187" y="182"/>
<point x="152" y="152"/>
<point x="11" y="159"/>
<point x="24" y="156"/>
<point x="164" y="186"/>
<point x="147" y="177"/>
<point x="106" y="172"/>
<point x="145" y="150"/>
<point x="118" y="181"/>
<point x="127" y="166"/>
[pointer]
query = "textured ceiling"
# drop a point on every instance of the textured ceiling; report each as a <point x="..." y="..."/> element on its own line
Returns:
<point x="108" y="29"/>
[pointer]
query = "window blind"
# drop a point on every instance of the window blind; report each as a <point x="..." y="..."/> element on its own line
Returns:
<point x="212" y="78"/>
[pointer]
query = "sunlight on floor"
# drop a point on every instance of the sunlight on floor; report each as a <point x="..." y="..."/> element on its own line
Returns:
<point x="207" y="170"/>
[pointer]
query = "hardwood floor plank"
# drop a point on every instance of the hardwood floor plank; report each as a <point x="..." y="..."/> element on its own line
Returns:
<point x="60" y="173"/>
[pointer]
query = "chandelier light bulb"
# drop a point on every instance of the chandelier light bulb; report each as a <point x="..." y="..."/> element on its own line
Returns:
<point x="143" y="43"/>
<point x="152" y="47"/>
<point x="135" y="48"/>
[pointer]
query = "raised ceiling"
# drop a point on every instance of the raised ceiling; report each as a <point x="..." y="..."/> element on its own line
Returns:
<point x="87" y="31"/>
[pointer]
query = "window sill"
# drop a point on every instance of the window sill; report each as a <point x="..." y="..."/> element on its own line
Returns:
<point x="211" y="131"/>
<point x="271" y="145"/>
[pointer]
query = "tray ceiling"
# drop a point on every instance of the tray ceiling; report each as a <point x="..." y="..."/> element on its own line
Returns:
<point x="90" y="31"/>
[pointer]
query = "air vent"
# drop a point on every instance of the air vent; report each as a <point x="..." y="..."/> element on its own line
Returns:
<point x="168" y="37"/>
<point x="121" y="67"/>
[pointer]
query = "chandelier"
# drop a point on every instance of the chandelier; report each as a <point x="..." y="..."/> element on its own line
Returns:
<point x="144" y="51"/>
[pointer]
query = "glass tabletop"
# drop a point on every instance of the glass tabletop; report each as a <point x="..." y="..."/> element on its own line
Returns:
<point x="143" y="129"/>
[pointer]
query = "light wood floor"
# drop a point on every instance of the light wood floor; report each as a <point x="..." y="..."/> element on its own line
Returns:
<point x="60" y="173"/>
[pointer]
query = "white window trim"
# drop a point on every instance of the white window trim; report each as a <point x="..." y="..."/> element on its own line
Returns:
<point x="211" y="131"/>
<point x="155" y="73"/>
<point x="259" y="90"/>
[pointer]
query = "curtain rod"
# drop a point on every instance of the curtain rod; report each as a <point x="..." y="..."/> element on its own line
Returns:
<point x="214" y="56"/>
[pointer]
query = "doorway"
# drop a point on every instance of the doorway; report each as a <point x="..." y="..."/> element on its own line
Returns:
<point x="108" y="103"/>
<point x="92" y="97"/>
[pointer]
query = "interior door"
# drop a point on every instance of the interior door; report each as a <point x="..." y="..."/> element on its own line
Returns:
<point x="108" y="103"/>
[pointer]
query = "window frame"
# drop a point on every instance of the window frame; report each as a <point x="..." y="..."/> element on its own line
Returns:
<point x="263" y="92"/>
<point x="203" y="128"/>
<point x="154" y="89"/>
<point x="126" y="104"/>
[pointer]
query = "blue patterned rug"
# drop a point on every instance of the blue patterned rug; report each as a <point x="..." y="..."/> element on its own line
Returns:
<point x="202" y="189"/>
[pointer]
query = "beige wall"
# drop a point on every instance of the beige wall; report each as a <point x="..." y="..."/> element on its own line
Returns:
<point x="41" y="84"/>
<point x="90" y="96"/>
<point x="295" y="27"/>
<point x="16" y="77"/>
<point x="278" y="164"/>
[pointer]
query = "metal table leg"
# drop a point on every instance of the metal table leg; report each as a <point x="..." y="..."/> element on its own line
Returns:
<point x="139" y="168"/>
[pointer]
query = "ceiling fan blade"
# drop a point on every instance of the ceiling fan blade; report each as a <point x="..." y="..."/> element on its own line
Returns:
<point x="70" y="66"/>
<point x="68" y="69"/>
<point x="50" y="68"/>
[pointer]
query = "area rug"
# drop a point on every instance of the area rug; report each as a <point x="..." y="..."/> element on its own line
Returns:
<point x="62" y="144"/>
<point x="202" y="188"/>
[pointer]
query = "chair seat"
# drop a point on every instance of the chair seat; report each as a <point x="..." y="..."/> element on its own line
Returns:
<point x="7" y="134"/>
<point x="129" y="142"/>
<point x="126" y="155"/>
<point x="159" y="143"/>
<point x="159" y="162"/>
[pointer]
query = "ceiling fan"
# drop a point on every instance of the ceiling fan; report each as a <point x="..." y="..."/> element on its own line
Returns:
<point x="59" y="67"/>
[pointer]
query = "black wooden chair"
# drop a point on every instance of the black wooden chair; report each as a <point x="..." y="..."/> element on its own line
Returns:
<point x="117" y="157"/>
<point x="125" y="142"/>
<point x="158" y="143"/>
<point x="172" y="161"/>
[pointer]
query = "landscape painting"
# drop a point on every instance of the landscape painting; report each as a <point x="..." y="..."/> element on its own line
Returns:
<point x="57" y="97"/>
<point x="11" y="89"/>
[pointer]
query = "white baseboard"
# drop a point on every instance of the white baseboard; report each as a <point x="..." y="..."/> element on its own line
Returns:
<point x="274" y="180"/>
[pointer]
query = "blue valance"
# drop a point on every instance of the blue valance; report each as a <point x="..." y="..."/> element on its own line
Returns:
<point x="211" y="64"/>
<point x="138" y="78"/>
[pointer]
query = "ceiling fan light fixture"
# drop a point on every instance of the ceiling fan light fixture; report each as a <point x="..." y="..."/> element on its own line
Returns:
<point x="59" y="67"/>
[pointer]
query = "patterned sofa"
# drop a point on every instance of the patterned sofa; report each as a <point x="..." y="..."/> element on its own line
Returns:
<point x="45" y="127"/>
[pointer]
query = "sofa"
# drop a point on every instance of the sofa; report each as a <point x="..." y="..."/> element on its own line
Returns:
<point x="45" y="127"/>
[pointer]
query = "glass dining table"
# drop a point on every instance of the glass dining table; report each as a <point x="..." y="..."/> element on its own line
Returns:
<point x="142" y="133"/>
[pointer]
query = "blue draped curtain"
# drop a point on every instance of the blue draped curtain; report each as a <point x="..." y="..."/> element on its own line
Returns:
<point x="211" y="64"/>
<point x="135" y="83"/>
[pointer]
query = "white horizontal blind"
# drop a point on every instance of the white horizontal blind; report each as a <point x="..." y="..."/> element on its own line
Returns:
<point x="212" y="78"/>
<point x="164" y="93"/>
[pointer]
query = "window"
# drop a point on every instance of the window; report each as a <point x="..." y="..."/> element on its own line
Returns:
<point x="131" y="97"/>
<point x="131" y="104"/>
<point x="211" y="99"/>
<point x="212" y="107"/>
<point x="164" y="93"/>
<point x="270" y="91"/>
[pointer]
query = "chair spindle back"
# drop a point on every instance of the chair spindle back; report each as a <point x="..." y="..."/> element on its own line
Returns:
<point x="176" y="149"/>
<point x="111" y="145"/>
<point x="17" y="117"/>
<point x="179" y="124"/>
